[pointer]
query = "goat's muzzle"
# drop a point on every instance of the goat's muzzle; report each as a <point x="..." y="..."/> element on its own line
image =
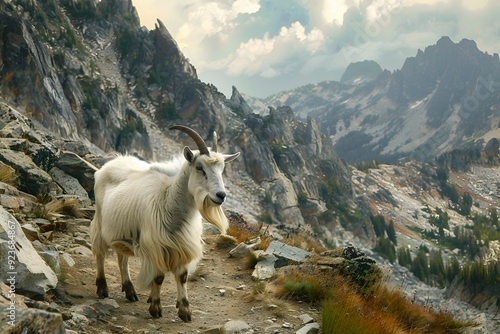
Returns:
<point x="220" y="197"/>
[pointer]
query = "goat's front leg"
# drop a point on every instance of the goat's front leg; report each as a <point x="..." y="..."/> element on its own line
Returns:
<point x="182" y="298"/>
<point x="154" y="297"/>
<point x="127" y="285"/>
<point x="100" y="281"/>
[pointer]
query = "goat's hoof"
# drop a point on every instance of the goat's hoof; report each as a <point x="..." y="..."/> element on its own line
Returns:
<point x="155" y="313"/>
<point x="129" y="290"/>
<point x="155" y="308"/>
<point x="185" y="317"/>
<point x="102" y="288"/>
<point x="102" y="293"/>
<point x="132" y="297"/>
<point x="184" y="311"/>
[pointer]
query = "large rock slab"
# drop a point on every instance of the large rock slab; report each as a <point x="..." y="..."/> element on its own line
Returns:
<point x="11" y="198"/>
<point x="79" y="168"/>
<point x="286" y="254"/>
<point x="34" y="180"/>
<point x="70" y="185"/>
<point x="20" y="264"/>
<point x="30" y="321"/>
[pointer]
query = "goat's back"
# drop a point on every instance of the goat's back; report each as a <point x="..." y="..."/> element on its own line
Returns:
<point x="118" y="170"/>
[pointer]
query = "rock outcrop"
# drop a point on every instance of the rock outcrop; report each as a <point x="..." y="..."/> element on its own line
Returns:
<point x="21" y="265"/>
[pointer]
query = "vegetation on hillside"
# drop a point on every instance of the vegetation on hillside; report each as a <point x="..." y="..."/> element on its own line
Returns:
<point x="349" y="302"/>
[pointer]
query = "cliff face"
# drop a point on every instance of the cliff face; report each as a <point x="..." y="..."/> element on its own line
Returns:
<point x="87" y="71"/>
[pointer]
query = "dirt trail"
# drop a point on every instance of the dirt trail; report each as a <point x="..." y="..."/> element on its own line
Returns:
<point x="220" y="290"/>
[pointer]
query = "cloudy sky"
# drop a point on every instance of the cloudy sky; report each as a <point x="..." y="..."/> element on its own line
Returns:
<point x="266" y="46"/>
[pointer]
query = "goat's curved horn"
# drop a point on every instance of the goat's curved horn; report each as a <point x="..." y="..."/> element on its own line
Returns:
<point x="214" y="144"/>
<point x="195" y="136"/>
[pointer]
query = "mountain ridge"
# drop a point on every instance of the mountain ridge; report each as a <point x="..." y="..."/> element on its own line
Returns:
<point x="443" y="98"/>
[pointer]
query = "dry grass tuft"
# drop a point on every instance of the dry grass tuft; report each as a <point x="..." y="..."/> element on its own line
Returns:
<point x="305" y="242"/>
<point x="8" y="175"/>
<point x="245" y="232"/>
<point x="199" y="274"/>
<point x="59" y="207"/>
<point x="65" y="206"/>
<point x="250" y="261"/>
<point x="348" y="308"/>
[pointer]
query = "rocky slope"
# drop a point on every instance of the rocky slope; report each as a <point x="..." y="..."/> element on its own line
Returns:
<point x="444" y="98"/>
<point x="87" y="71"/>
<point x="408" y="194"/>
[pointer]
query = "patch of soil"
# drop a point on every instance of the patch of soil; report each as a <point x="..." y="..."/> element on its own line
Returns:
<point x="220" y="289"/>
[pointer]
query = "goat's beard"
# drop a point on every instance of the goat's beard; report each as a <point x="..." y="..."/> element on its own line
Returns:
<point x="214" y="215"/>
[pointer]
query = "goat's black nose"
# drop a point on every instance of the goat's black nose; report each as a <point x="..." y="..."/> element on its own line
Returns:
<point x="221" y="195"/>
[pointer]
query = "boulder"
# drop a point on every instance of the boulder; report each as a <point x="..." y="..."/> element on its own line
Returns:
<point x="71" y="186"/>
<point x="286" y="254"/>
<point x="240" y="251"/>
<point x="30" y="321"/>
<point x="34" y="180"/>
<point x="348" y="261"/>
<point x="20" y="264"/>
<point x="77" y="167"/>
<point x="11" y="198"/>
<point x="264" y="270"/>
<point x="235" y="326"/>
<point x="7" y="297"/>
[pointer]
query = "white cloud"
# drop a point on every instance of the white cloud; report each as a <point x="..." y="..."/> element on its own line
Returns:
<point x="245" y="6"/>
<point x="263" y="56"/>
<point x="252" y="44"/>
<point x="334" y="10"/>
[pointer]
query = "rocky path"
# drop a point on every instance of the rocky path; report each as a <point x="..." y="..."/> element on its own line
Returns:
<point x="221" y="291"/>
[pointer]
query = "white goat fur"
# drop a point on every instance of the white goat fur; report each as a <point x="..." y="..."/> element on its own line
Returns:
<point x="156" y="210"/>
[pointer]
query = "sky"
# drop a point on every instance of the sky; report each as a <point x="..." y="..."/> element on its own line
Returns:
<point x="263" y="47"/>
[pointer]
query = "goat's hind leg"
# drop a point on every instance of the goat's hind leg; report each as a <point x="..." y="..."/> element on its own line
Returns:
<point x="127" y="285"/>
<point x="184" y="311"/>
<point x="100" y="281"/>
<point x="123" y="250"/>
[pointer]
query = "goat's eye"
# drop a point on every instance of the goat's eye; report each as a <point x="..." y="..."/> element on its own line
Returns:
<point x="200" y="169"/>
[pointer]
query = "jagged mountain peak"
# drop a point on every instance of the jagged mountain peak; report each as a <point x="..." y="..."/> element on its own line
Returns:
<point x="361" y="72"/>
<point x="444" y="97"/>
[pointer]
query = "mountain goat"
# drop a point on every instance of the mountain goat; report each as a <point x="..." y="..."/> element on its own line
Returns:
<point x="154" y="211"/>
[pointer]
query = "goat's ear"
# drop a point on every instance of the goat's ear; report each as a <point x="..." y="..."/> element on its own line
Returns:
<point x="188" y="154"/>
<point x="231" y="157"/>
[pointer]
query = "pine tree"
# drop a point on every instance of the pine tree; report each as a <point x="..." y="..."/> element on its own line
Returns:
<point x="391" y="233"/>
<point x="494" y="218"/>
<point x="404" y="257"/>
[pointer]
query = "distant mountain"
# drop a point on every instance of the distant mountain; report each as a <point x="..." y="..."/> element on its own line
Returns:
<point x="361" y="72"/>
<point x="444" y="98"/>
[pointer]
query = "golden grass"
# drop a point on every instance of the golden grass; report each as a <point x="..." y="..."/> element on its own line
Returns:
<point x="8" y="175"/>
<point x="305" y="242"/>
<point x="242" y="231"/>
<point x="347" y="308"/>
<point x="64" y="206"/>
